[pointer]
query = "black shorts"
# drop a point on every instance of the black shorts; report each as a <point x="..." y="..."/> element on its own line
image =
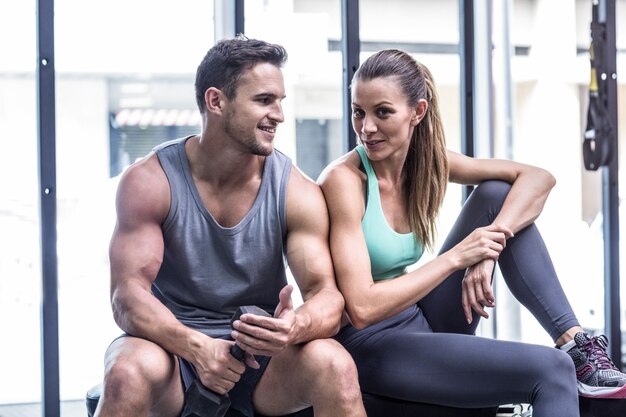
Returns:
<point x="241" y="394"/>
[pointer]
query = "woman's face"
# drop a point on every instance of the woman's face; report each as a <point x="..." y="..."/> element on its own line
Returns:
<point x="382" y="118"/>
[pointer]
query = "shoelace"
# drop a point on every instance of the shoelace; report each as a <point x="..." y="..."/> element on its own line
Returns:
<point x="596" y="349"/>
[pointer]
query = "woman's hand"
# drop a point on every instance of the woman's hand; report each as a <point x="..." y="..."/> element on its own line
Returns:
<point x="478" y="253"/>
<point x="477" y="292"/>
<point x="483" y="243"/>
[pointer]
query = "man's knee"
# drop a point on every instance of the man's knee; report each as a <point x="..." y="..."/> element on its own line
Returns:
<point x="135" y="365"/>
<point x="333" y="367"/>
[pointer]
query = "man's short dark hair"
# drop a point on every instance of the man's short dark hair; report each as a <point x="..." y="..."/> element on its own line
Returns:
<point x="225" y="62"/>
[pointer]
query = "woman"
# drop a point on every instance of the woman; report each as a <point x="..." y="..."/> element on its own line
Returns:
<point x="411" y="332"/>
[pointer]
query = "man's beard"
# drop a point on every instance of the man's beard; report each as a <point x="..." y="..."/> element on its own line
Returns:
<point x="248" y="139"/>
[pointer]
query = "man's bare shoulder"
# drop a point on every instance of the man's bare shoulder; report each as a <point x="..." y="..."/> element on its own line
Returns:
<point x="300" y="186"/>
<point x="143" y="189"/>
<point x="299" y="179"/>
<point x="305" y="201"/>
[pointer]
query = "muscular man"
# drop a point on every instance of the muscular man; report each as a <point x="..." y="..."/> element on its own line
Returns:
<point x="207" y="223"/>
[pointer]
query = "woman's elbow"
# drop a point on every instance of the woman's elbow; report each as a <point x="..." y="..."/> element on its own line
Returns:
<point x="336" y="316"/>
<point x="548" y="179"/>
<point x="542" y="177"/>
<point x="358" y="315"/>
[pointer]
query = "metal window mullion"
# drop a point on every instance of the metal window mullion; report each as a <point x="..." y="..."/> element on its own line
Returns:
<point x="47" y="189"/>
<point x="467" y="58"/>
<point x="240" y="26"/>
<point x="229" y="18"/>
<point x="350" y="49"/>
<point x="610" y="194"/>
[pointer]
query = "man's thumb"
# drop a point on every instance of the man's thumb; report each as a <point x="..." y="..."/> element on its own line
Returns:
<point x="284" y="300"/>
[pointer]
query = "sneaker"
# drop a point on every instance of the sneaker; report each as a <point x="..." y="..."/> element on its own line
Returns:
<point x="597" y="375"/>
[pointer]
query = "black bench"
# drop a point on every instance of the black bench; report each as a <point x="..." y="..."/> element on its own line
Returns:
<point x="592" y="407"/>
<point x="376" y="406"/>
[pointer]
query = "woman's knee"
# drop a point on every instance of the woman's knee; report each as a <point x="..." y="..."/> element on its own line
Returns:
<point x="557" y="373"/>
<point x="492" y="190"/>
<point x="563" y="366"/>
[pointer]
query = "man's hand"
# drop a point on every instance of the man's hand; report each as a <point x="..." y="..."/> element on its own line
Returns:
<point x="217" y="369"/>
<point x="267" y="336"/>
<point x="477" y="292"/>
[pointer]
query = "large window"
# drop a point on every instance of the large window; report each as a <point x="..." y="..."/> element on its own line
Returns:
<point x="20" y="283"/>
<point x="125" y="73"/>
<point x="547" y="100"/>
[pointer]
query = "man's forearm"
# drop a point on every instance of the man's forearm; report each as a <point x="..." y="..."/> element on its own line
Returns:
<point x="139" y="314"/>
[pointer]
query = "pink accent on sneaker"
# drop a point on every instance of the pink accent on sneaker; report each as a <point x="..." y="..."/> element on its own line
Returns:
<point x="601" y="392"/>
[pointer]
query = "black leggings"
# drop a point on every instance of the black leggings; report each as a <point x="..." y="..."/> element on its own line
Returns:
<point x="428" y="352"/>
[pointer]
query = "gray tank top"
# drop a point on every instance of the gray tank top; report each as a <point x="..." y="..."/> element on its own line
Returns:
<point x="209" y="270"/>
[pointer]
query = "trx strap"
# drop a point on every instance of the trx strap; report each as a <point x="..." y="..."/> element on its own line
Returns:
<point x="598" y="134"/>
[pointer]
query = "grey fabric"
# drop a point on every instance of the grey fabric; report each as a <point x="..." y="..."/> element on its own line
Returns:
<point x="208" y="270"/>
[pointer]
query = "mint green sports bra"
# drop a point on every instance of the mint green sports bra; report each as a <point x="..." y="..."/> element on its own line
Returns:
<point x="390" y="252"/>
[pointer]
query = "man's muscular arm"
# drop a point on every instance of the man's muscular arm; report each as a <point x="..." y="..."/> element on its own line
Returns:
<point x="308" y="253"/>
<point x="309" y="259"/>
